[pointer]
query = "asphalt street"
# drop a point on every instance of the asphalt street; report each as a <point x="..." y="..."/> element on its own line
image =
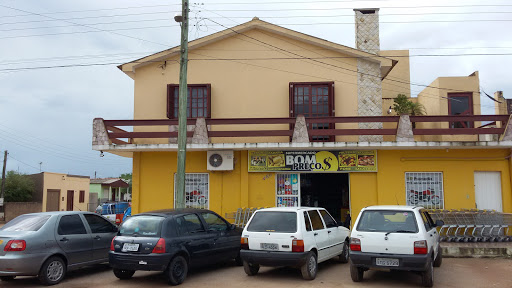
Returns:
<point x="455" y="272"/>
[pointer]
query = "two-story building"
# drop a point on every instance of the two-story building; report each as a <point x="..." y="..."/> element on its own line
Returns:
<point x="281" y="118"/>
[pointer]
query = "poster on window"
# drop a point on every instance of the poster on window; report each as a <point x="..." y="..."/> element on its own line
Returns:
<point x="425" y="189"/>
<point x="196" y="190"/>
<point x="313" y="161"/>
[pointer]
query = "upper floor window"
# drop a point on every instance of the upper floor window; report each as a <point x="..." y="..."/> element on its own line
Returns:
<point x="198" y="101"/>
<point x="313" y="100"/>
<point x="460" y="104"/>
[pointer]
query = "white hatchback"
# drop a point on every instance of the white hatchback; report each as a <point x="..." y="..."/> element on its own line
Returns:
<point x="297" y="236"/>
<point x="395" y="238"/>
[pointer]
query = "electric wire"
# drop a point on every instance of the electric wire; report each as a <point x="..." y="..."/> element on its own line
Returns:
<point x="19" y="161"/>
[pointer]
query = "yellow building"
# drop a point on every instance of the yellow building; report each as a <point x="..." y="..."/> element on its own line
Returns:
<point x="61" y="192"/>
<point x="280" y="118"/>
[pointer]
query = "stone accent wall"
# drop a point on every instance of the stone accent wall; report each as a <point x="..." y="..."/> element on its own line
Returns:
<point x="369" y="83"/>
<point x="99" y="133"/>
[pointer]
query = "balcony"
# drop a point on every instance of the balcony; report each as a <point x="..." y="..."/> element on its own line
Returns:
<point x="266" y="133"/>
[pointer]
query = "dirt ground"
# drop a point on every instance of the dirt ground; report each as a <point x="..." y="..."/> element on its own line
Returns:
<point x="455" y="272"/>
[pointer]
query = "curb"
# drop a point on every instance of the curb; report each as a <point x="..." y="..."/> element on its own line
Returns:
<point x="477" y="252"/>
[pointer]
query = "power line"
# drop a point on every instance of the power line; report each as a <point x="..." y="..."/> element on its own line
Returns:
<point x="115" y="33"/>
<point x="10" y="156"/>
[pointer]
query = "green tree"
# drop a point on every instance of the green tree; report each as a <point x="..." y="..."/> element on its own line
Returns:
<point x="18" y="187"/>
<point x="404" y="106"/>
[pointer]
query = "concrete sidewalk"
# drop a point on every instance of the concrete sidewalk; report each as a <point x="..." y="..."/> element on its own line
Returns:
<point x="477" y="250"/>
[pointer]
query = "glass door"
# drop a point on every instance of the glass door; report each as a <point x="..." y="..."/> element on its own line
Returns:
<point x="288" y="190"/>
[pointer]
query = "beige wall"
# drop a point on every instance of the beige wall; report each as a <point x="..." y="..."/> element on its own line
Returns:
<point x="64" y="182"/>
<point x="436" y="103"/>
<point x="15" y="209"/>
<point x="244" y="88"/>
<point x="397" y="81"/>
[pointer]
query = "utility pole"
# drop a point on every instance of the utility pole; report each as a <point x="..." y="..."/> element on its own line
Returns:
<point x="182" y="117"/>
<point x="3" y="185"/>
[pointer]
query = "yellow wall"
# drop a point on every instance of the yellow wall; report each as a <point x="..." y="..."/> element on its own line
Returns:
<point x="153" y="181"/>
<point x="64" y="182"/>
<point x="397" y="81"/>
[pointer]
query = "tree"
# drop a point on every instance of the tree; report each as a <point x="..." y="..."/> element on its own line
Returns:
<point x="404" y="106"/>
<point x="18" y="187"/>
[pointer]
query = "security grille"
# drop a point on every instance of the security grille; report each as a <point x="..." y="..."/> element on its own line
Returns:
<point x="287" y="190"/>
<point x="197" y="190"/>
<point x="424" y="189"/>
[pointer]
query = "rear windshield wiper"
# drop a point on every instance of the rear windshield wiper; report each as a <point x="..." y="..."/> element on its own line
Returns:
<point x="399" y="231"/>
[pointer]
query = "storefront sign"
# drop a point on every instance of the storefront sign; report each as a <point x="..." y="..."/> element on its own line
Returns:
<point x="313" y="161"/>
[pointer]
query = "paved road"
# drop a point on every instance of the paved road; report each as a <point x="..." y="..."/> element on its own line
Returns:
<point x="455" y="272"/>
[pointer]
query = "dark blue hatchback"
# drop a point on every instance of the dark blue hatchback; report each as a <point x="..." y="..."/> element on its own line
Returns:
<point x="172" y="241"/>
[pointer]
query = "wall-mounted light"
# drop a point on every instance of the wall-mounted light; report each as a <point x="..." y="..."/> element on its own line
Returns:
<point x="390" y="110"/>
<point x="101" y="154"/>
<point x="178" y="18"/>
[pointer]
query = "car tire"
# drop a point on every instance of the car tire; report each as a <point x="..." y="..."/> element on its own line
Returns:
<point x="356" y="273"/>
<point x="309" y="268"/>
<point x="439" y="258"/>
<point x="251" y="269"/>
<point x="343" y="257"/>
<point x="123" y="274"/>
<point x="238" y="260"/>
<point x="52" y="271"/>
<point x="177" y="270"/>
<point x="427" y="276"/>
<point x="7" y="278"/>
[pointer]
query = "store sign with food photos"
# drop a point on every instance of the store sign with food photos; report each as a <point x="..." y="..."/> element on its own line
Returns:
<point x="313" y="161"/>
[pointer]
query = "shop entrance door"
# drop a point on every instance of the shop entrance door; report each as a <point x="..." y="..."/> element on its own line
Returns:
<point x="326" y="190"/>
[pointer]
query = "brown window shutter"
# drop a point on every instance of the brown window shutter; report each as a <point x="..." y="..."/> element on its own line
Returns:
<point x="170" y="101"/>
<point x="209" y="102"/>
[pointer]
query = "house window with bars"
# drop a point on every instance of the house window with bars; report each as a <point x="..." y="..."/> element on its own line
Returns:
<point x="198" y="101"/>
<point x="424" y="189"/>
<point x="197" y="190"/>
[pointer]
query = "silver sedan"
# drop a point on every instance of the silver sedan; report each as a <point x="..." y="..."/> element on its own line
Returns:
<point x="48" y="244"/>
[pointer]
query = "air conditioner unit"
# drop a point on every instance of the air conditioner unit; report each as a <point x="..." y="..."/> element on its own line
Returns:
<point x="220" y="160"/>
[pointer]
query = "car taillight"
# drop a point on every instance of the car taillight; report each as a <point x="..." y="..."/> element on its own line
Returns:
<point x="119" y="218"/>
<point x="15" y="245"/>
<point x="159" y="247"/>
<point x="112" y="244"/>
<point x="420" y="247"/>
<point x="297" y="245"/>
<point x="355" y="244"/>
<point x="244" y="243"/>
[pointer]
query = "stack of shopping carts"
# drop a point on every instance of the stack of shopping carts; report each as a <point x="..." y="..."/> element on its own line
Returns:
<point x="471" y="225"/>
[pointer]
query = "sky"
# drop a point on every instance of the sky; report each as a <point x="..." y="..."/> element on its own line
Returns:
<point x="58" y="59"/>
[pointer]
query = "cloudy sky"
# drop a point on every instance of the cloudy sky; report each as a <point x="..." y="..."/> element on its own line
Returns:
<point x="58" y="59"/>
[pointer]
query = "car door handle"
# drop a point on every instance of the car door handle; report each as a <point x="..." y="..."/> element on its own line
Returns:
<point x="329" y="231"/>
<point x="315" y="234"/>
<point x="97" y="237"/>
<point x="64" y="239"/>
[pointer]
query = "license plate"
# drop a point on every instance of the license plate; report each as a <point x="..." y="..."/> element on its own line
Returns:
<point x="386" y="262"/>
<point x="130" y="247"/>
<point x="269" y="246"/>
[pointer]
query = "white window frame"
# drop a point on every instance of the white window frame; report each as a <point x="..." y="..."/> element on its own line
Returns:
<point x="184" y="196"/>
<point x="277" y="195"/>
<point x="436" y="200"/>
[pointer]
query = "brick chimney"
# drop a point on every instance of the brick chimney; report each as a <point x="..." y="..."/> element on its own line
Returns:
<point x="367" y="30"/>
<point x="369" y="83"/>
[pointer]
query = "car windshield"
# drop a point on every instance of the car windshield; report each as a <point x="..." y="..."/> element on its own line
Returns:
<point x="273" y="221"/>
<point x="389" y="221"/>
<point x="26" y="223"/>
<point x="144" y="226"/>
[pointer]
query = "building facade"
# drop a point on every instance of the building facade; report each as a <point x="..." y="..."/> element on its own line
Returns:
<point x="280" y="118"/>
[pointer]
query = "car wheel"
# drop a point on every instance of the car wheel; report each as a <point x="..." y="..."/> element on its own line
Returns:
<point x="427" y="276"/>
<point x="309" y="268"/>
<point x="439" y="258"/>
<point x="356" y="273"/>
<point x="177" y="270"/>
<point x="251" y="269"/>
<point x="238" y="260"/>
<point x="7" y="278"/>
<point x="123" y="274"/>
<point x="52" y="271"/>
<point x="343" y="257"/>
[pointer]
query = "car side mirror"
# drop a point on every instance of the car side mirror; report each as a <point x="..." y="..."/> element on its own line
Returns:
<point x="232" y="227"/>
<point x="439" y="223"/>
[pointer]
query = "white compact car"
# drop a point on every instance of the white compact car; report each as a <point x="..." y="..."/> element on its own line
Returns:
<point x="395" y="238"/>
<point x="299" y="237"/>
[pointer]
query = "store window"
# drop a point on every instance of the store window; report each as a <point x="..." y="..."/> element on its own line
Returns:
<point x="198" y="101"/>
<point x="425" y="189"/>
<point x="196" y="190"/>
<point x="460" y="104"/>
<point x="288" y="190"/>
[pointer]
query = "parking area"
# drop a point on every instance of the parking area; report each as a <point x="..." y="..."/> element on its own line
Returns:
<point x="455" y="272"/>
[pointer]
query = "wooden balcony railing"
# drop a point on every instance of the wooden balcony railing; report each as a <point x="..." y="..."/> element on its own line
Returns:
<point x="266" y="127"/>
